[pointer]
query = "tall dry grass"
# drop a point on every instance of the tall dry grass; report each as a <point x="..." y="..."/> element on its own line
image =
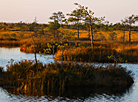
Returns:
<point x="28" y="76"/>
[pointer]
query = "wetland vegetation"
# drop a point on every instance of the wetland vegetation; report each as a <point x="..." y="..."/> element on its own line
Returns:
<point x="83" y="42"/>
<point x="31" y="77"/>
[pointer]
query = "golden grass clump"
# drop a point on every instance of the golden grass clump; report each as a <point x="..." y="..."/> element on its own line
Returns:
<point x="86" y="54"/>
<point x="28" y="76"/>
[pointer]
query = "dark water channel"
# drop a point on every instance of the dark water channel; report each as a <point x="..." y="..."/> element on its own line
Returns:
<point x="116" y="94"/>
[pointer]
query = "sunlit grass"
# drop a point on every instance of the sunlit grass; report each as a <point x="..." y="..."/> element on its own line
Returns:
<point x="39" y="77"/>
<point x="25" y="37"/>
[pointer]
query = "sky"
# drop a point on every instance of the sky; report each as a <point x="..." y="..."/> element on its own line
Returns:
<point x="14" y="11"/>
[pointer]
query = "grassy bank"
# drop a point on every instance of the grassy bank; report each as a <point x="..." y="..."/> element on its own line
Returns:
<point x="98" y="54"/>
<point x="26" y="75"/>
<point x="47" y="44"/>
<point x="10" y="43"/>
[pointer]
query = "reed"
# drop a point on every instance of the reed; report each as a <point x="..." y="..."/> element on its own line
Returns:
<point x="98" y="54"/>
<point x="86" y="54"/>
<point x="49" y="78"/>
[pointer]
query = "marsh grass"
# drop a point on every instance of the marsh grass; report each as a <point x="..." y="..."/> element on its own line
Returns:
<point x="98" y="54"/>
<point x="24" y="41"/>
<point x="10" y="43"/>
<point x="28" y="76"/>
<point x="86" y="54"/>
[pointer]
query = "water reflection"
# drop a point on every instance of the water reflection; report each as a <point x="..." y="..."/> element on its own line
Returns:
<point x="116" y="94"/>
<point x="72" y="94"/>
<point x="6" y="54"/>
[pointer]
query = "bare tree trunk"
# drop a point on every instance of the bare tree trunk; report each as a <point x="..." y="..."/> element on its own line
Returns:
<point x="124" y="35"/>
<point x="78" y="30"/>
<point x="62" y="56"/>
<point x="62" y="60"/>
<point x="91" y="30"/>
<point x="130" y="33"/>
<point x="34" y="51"/>
<point x="35" y="56"/>
<point x="89" y="33"/>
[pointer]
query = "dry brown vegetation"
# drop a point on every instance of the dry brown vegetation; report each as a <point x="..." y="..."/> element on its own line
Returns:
<point x="28" y="76"/>
<point x="101" y="38"/>
<point x="117" y="44"/>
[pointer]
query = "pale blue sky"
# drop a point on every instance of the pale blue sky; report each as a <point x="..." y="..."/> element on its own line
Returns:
<point x="27" y="10"/>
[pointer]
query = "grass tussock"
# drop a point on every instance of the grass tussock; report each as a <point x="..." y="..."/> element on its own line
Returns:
<point x="26" y="75"/>
<point x="86" y="54"/>
<point x="98" y="54"/>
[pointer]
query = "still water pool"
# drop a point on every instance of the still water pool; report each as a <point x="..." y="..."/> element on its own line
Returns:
<point x="73" y="95"/>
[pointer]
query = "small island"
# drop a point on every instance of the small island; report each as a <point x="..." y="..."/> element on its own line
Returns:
<point x="29" y="76"/>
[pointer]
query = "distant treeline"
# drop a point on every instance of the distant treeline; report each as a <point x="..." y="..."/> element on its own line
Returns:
<point x="30" y="26"/>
